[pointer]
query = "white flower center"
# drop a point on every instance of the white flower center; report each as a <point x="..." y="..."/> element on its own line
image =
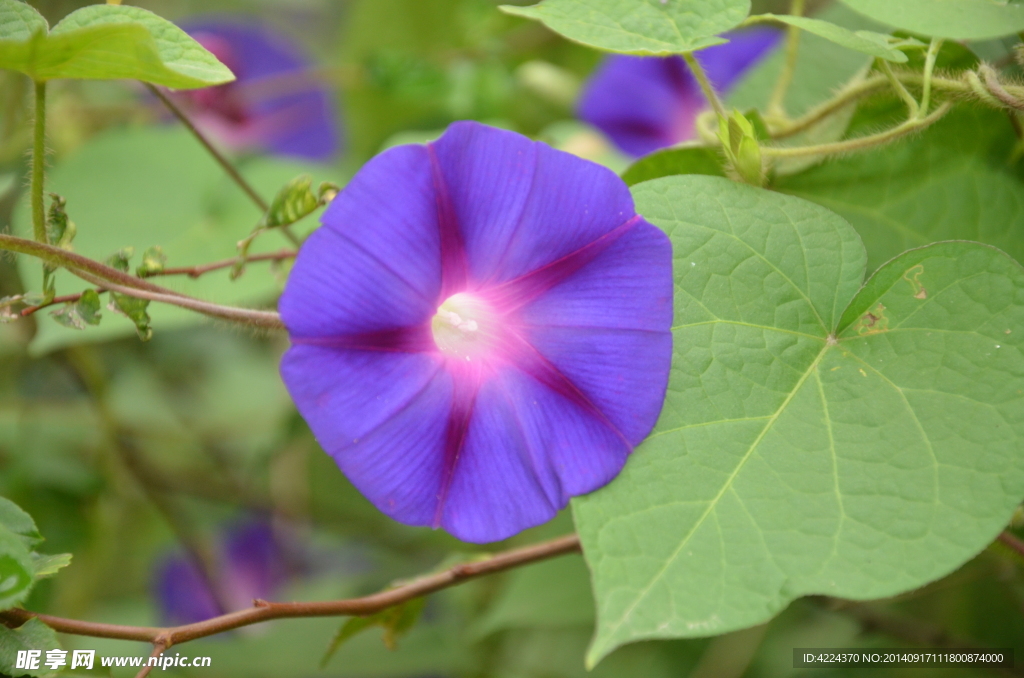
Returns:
<point x="463" y="327"/>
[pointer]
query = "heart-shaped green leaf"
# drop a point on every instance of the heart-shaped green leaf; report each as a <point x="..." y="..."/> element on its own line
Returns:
<point x="970" y="190"/>
<point x="650" y="27"/>
<point x="954" y="19"/>
<point x="20" y="21"/>
<point x="815" y="438"/>
<point x="105" y="42"/>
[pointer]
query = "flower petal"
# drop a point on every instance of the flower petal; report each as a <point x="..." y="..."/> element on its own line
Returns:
<point x="183" y="594"/>
<point x="527" y="451"/>
<point x="383" y="417"/>
<point x="288" y="121"/>
<point x="521" y="205"/>
<point x="642" y="103"/>
<point x="647" y="103"/>
<point x="607" y="329"/>
<point x="347" y="394"/>
<point x="375" y="263"/>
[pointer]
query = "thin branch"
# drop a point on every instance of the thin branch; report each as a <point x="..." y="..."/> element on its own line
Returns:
<point x="270" y="320"/>
<point x="201" y="269"/>
<point x="1011" y="540"/>
<point x="29" y="310"/>
<point x="776" y="106"/>
<point x="217" y="155"/>
<point x="191" y="271"/>
<point x="158" y="649"/>
<point x="929" y="70"/>
<point x="39" y="165"/>
<point x="70" y="260"/>
<point x="705" y="84"/>
<point x="996" y="88"/>
<point x="123" y="283"/>
<point x="901" y="90"/>
<point x="859" y="143"/>
<point x="265" y="611"/>
<point x="225" y="164"/>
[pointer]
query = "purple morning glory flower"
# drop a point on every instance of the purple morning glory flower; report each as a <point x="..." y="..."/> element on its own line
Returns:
<point x="253" y="566"/>
<point x="647" y="103"/>
<point x="275" y="105"/>
<point x="480" y="330"/>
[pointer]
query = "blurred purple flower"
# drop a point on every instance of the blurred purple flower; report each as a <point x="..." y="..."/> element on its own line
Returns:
<point x="647" y="103"/>
<point x="480" y="331"/>
<point x="276" y="104"/>
<point x="253" y="566"/>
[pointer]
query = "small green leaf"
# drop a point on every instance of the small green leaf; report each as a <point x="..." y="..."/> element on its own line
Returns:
<point x="17" y="575"/>
<point x="19" y="522"/>
<point x="47" y="566"/>
<point x="396" y="622"/>
<point x="953" y="19"/>
<point x="646" y="27"/>
<point x="20" y="21"/>
<point x="107" y="42"/>
<point x="294" y="201"/>
<point x="121" y="259"/>
<point x="690" y="160"/>
<point x="134" y="309"/>
<point x="153" y="261"/>
<point x="32" y="635"/>
<point x="867" y="42"/>
<point x="60" y="230"/>
<point x="819" y="436"/>
<point x="78" y="314"/>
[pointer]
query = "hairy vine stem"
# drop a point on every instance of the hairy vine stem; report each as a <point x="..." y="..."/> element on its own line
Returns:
<point x="114" y="280"/>
<point x="776" y="106"/>
<point x="705" y="84"/>
<point x="860" y="143"/>
<point x="39" y="165"/>
<point x="263" y="610"/>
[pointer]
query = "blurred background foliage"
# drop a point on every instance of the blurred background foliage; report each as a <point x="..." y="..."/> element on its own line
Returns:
<point x="124" y="451"/>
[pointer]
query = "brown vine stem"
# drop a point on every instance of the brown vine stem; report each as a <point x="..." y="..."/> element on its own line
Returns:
<point x="191" y="271"/>
<point x="114" y="280"/>
<point x="202" y="269"/>
<point x="225" y="164"/>
<point x="29" y="310"/>
<point x="269" y="320"/>
<point x="1012" y="541"/>
<point x="158" y="649"/>
<point x="263" y="610"/>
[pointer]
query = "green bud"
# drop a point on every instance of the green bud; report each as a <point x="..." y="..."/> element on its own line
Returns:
<point x="120" y="259"/>
<point x="153" y="261"/>
<point x="294" y="201"/>
<point x="739" y="143"/>
<point x="60" y="230"/>
<point x="78" y="314"/>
